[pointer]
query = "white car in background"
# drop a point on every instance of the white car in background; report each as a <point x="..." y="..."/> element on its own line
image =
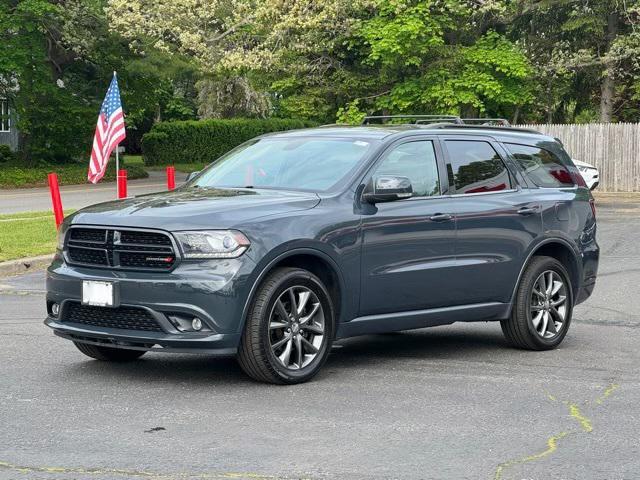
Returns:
<point x="590" y="174"/>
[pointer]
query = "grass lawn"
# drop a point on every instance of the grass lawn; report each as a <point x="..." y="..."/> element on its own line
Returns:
<point x="180" y="167"/>
<point x="27" y="235"/>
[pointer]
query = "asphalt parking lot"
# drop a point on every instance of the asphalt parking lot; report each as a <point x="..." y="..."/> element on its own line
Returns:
<point x="451" y="402"/>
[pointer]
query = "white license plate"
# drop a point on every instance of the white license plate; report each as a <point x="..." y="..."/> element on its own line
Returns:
<point x="97" y="293"/>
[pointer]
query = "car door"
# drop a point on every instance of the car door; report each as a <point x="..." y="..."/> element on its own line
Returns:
<point x="408" y="246"/>
<point x="496" y="219"/>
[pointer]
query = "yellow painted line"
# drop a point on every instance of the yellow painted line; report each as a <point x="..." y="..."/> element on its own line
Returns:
<point x="552" y="442"/>
<point x="607" y="393"/>
<point x="552" y="446"/>
<point x="575" y="412"/>
<point x="134" y="473"/>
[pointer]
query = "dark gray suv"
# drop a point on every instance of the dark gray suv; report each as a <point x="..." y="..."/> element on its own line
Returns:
<point x="296" y="239"/>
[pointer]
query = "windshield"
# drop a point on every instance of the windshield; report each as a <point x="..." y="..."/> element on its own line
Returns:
<point x="310" y="163"/>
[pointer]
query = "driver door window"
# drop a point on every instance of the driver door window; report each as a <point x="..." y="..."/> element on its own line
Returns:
<point x="417" y="162"/>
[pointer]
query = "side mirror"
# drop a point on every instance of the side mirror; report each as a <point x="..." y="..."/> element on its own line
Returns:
<point x="387" y="188"/>
<point x="192" y="175"/>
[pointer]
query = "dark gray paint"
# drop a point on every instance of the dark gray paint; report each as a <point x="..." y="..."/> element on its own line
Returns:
<point x="397" y="267"/>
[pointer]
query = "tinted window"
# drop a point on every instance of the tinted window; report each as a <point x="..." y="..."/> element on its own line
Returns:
<point x="416" y="161"/>
<point x="543" y="167"/>
<point x="476" y="167"/>
<point x="315" y="164"/>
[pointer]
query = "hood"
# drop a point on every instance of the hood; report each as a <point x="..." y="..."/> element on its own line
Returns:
<point x="194" y="208"/>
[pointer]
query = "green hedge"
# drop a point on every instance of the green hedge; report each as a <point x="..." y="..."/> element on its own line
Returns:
<point x="20" y="177"/>
<point x="202" y="141"/>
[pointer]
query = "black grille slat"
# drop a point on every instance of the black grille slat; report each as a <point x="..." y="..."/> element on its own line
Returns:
<point x="88" y="255"/>
<point x="88" y="235"/>
<point x="125" y="318"/>
<point x="121" y="248"/>
<point x="143" y="238"/>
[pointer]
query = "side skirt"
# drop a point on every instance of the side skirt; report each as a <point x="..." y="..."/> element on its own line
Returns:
<point x="392" y="322"/>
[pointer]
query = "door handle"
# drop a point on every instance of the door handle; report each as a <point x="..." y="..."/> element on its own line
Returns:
<point x="440" y="217"/>
<point x="527" y="210"/>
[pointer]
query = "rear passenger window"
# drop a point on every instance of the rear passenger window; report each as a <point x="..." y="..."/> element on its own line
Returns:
<point x="544" y="168"/>
<point x="475" y="167"/>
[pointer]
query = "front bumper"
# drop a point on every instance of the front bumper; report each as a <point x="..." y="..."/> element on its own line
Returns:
<point x="214" y="291"/>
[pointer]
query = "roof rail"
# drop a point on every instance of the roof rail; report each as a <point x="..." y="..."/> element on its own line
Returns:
<point x="500" y="122"/>
<point x="418" y="118"/>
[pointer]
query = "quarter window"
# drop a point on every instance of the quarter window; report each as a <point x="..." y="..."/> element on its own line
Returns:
<point x="544" y="168"/>
<point x="475" y="167"/>
<point x="5" y="121"/>
<point x="417" y="162"/>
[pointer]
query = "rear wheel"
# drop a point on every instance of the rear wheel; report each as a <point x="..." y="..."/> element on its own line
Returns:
<point x="289" y="329"/>
<point x="543" y="306"/>
<point x="109" y="354"/>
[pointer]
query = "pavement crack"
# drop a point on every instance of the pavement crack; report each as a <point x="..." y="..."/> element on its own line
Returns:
<point x="576" y="413"/>
<point x="125" y="473"/>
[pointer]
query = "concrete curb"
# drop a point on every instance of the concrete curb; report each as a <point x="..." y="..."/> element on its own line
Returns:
<point x="24" y="265"/>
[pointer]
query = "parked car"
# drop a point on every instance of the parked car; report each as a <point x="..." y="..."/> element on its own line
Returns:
<point x="296" y="239"/>
<point x="590" y="173"/>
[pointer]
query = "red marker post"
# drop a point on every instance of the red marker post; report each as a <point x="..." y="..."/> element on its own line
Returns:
<point x="171" y="178"/>
<point x="56" y="202"/>
<point x="122" y="184"/>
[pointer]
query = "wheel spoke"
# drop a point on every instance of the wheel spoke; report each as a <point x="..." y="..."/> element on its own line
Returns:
<point x="314" y="328"/>
<point x="286" y="354"/>
<point x="556" y="288"/>
<point x="555" y="313"/>
<point x="277" y="325"/>
<point x="536" y="320"/>
<point x="281" y="342"/>
<point x="549" y="282"/>
<point x="536" y="308"/>
<point x="561" y="299"/>
<point x="294" y="303"/>
<point x="302" y="301"/>
<point x="545" y="323"/>
<point x="551" y="325"/>
<point x="299" y="353"/>
<point x="284" y="315"/>
<point x="311" y="314"/>
<point x="538" y="293"/>
<point x="308" y="345"/>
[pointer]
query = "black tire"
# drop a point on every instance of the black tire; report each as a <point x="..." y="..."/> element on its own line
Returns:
<point x="518" y="328"/>
<point x="255" y="354"/>
<point x="108" y="354"/>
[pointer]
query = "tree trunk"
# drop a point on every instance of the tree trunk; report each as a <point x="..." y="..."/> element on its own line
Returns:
<point x="608" y="85"/>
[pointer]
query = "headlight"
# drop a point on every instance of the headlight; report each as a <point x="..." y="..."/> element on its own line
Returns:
<point x="212" y="244"/>
<point x="60" y="237"/>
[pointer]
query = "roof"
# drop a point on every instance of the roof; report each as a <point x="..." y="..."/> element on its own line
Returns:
<point x="383" y="131"/>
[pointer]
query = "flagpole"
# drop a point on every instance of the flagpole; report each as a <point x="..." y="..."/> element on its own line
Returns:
<point x="117" y="162"/>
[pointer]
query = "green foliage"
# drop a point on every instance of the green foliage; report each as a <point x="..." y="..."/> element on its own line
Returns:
<point x="206" y="140"/>
<point x="73" y="174"/>
<point x="6" y="155"/>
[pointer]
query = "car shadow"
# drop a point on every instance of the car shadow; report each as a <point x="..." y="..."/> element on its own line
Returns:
<point x="441" y="343"/>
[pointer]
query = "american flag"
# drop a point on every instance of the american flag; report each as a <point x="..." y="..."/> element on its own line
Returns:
<point x="110" y="132"/>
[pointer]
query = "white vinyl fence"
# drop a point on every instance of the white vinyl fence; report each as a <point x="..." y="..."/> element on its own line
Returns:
<point x="612" y="147"/>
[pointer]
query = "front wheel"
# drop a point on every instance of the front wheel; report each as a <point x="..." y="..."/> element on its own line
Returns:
<point x="289" y="328"/>
<point x="543" y="306"/>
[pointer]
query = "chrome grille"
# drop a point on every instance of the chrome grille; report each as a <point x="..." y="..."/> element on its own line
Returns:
<point x="120" y="248"/>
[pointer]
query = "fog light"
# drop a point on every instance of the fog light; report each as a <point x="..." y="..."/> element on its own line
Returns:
<point x="196" y="324"/>
<point x="55" y="309"/>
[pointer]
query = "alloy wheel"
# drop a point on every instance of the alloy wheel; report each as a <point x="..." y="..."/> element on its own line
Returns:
<point x="548" y="304"/>
<point x="296" y="327"/>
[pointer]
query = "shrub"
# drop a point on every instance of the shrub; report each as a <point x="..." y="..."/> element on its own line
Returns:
<point x="12" y="177"/>
<point x="203" y="141"/>
<point x="6" y="155"/>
